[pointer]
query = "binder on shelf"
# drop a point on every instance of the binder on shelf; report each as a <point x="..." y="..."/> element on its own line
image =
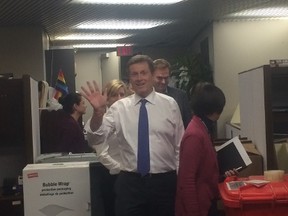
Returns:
<point x="232" y="155"/>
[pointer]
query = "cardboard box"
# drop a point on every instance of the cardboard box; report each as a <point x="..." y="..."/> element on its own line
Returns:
<point x="57" y="189"/>
<point x="256" y="168"/>
<point x="281" y="151"/>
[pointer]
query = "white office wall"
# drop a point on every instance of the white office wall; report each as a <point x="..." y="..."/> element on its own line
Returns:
<point x="93" y="65"/>
<point x="87" y="68"/>
<point x="110" y="63"/>
<point x="240" y="46"/>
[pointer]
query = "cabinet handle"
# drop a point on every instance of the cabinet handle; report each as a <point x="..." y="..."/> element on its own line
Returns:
<point x="16" y="202"/>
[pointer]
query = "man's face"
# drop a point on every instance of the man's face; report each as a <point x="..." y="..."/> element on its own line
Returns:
<point x="141" y="79"/>
<point x="161" y="79"/>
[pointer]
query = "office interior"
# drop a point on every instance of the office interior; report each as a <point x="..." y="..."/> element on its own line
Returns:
<point x="235" y="45"/>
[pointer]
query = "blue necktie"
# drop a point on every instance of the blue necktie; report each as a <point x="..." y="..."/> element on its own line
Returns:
<point x="143" y="162"/>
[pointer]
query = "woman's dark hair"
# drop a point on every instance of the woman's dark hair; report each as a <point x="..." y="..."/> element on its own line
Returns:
<point x="207" y="99"/>
<point x="69" y="100"/>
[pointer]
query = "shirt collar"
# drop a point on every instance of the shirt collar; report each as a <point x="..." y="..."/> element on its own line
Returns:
<point x="150" y="98"/>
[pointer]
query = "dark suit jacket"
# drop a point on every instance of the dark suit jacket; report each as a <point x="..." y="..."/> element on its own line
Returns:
<point x="182" y="100"/>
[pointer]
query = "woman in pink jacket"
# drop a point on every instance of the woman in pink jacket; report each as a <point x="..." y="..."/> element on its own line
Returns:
<point x="198" y="176"/>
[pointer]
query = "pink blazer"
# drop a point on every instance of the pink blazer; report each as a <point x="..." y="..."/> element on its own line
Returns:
<point x="198" y="174"/>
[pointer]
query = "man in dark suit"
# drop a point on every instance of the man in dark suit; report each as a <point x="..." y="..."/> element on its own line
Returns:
<point x="161" y="80"/>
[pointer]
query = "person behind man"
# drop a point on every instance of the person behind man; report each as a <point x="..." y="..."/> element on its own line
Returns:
<point x="69" y="130"/>
<point x="146" y="184"/>
<point x="161" y="80"/>
<point x="198" y="176"/>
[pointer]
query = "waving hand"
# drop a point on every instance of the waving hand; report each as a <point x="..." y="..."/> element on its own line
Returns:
<point x="94" y="95"/>
<point x="97" y="101"/>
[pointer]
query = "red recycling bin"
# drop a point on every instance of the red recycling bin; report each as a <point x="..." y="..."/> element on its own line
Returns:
<point x="254" y="197"/>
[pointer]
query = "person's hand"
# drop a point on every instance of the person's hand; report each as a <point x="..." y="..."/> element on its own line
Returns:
<point x="233" y="172"/>
<point x="94" y="96"/>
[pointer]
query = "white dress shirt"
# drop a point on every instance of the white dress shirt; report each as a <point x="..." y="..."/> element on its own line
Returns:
<point x="108" y="153"/>
<point x="165" y="131"/>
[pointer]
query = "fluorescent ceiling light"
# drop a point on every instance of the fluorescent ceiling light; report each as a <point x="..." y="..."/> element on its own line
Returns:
<point x="123" y="24"/>
<point x="99" y="45"/>
<point x="92" y="37"/>
<point x="129" y="2"/>
<point x="263" y="12"/>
